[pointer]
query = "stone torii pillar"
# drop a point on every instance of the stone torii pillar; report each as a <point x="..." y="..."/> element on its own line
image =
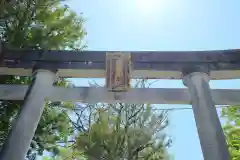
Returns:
<point x="25" y="125"/>
<point x="212" y="139"/>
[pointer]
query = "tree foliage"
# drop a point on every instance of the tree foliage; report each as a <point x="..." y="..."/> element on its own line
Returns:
<point x="232" y="130"/>
<point x="45" y="24"/>
<point x="40" y="24"/>
<point x="121" y="131"/>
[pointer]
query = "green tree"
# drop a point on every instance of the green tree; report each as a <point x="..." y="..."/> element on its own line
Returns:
<point x="121" y="131"/>
<point x="40" y="24"/>
<point x="232" y="130"/>
<point x="66" y="153"/>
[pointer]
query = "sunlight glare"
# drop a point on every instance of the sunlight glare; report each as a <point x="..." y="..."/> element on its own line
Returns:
<point x="147" y="6"/>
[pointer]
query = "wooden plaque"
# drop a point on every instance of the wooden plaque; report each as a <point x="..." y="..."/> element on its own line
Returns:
<point x="118" y="66"/>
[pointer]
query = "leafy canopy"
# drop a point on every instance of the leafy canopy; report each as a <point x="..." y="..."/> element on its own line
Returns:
<point x="121" y="131"/>
<point x="232" y="130"/>
<point x="40" y="24"/>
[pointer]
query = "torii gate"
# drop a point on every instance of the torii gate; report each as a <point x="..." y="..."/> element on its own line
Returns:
<point x="195" y="68"/>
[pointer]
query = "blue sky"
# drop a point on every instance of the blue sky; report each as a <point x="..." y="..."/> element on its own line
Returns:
<point x="164" y="25"/>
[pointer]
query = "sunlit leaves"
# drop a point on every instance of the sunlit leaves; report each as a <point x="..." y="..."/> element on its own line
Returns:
<point x="232" y="130"/>
<point x="123" y="131"/>
<point x="40" y="24"/>
<point x="43" y="23"/>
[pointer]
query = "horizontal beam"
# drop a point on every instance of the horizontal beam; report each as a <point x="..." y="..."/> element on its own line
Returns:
<point x="134" y="96"/>
<point x="222" y="64"/>
<point x="100" y="73"/>
<point x="137" y="56"/>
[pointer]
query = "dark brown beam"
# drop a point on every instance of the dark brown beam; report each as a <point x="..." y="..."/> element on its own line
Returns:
<point x="137" y="56"/>
<point x="223" y="64"/>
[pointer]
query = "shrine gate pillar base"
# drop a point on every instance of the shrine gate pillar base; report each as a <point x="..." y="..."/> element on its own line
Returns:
<point x="212" y="139"/>
<point x="25" y="125"/>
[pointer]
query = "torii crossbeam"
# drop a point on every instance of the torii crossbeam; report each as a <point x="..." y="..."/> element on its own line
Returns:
<point x="195" y="68"/>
